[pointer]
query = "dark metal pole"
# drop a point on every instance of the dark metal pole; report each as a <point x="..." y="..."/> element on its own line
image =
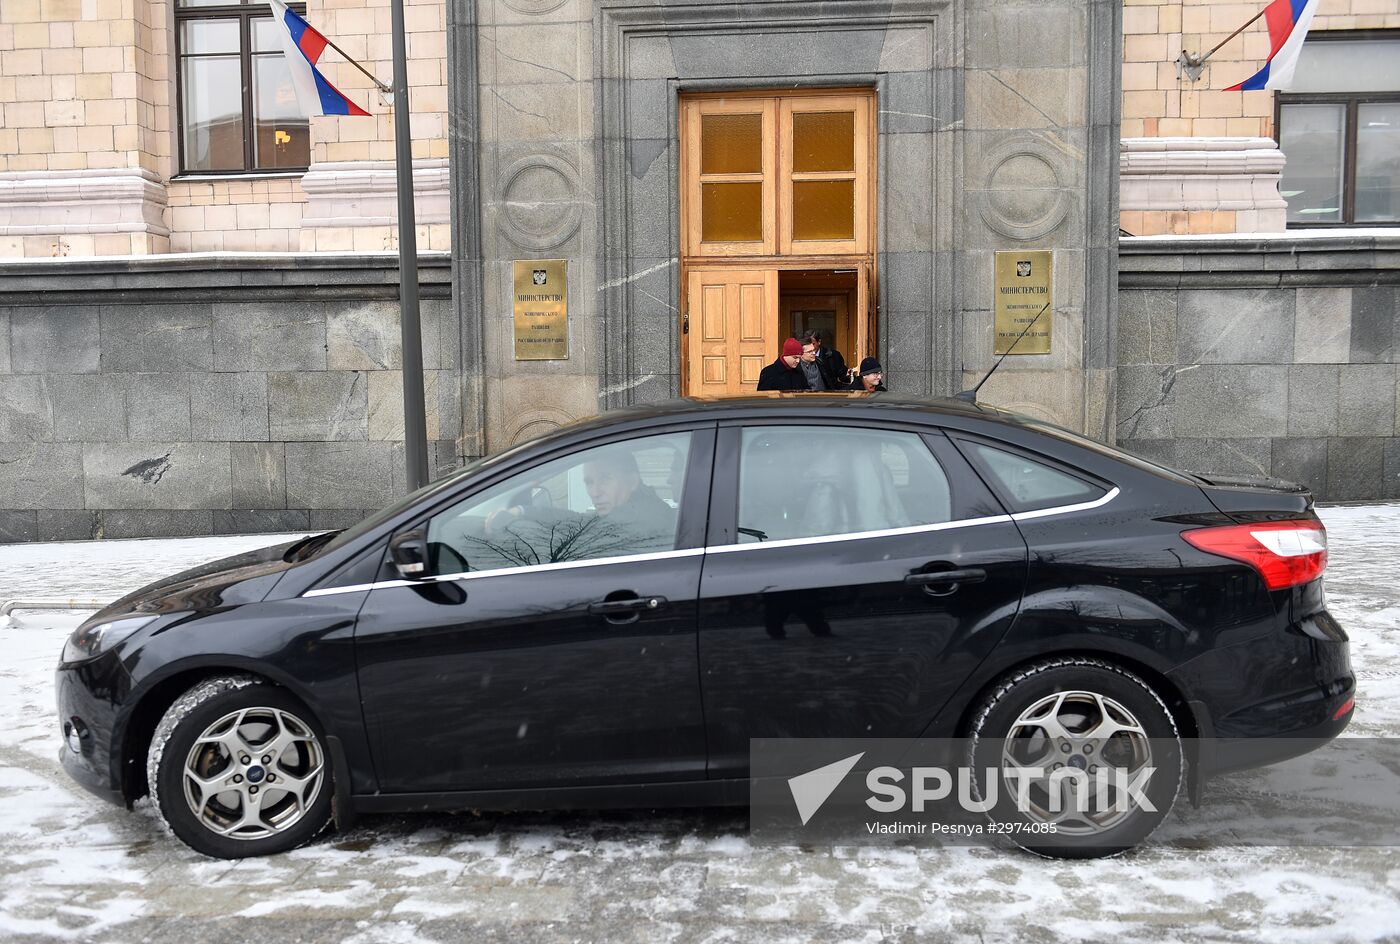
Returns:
<point x="415" y="423"/>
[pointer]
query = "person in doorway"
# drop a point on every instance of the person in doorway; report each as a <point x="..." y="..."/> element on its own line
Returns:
<point x="814" y="371"/>
<point x="871" y="377"/>
<point x="828" y="357"/>
<point x="783" y="373"/>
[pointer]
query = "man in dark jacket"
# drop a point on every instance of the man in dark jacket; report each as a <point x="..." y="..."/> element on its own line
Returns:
<point x="829" y="358"/>
<point x="816" y="373"/>
<point x="783" y="373"/>
<point x="871" y="377"/>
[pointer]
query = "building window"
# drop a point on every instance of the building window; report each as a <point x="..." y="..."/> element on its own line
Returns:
<point x="778" y="175"/>
<point x="238" y="109"/>
<point x="1340" y="130"/>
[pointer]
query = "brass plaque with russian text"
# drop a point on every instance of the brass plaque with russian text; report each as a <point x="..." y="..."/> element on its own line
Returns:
<point x="541" y="294"/>
<point x="1025" y="283"/>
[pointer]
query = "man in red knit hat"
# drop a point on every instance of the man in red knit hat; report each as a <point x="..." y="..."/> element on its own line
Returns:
<point x="783" y="373"/>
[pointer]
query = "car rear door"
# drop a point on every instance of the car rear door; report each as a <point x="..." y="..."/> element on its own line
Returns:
<point x="551" y="645"/>
<point x="855" y="576"/>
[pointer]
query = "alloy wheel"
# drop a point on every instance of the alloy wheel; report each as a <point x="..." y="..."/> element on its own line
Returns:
<point x="253" y="773"/>
<point x="1090" y="734"/>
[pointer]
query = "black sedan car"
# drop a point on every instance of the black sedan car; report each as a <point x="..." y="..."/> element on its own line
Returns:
<point x="607" y="615"/>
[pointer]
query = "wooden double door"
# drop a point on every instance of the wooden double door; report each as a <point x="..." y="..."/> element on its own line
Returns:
<point x="777" y="228"/>
<point x="737" y="320"/>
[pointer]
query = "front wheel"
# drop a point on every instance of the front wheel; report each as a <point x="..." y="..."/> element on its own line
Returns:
<point x="239" y="768"/>
<point x="1087" y="758"/>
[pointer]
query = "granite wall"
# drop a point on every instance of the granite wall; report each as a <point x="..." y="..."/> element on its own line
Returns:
<point x="998" y="128"/>
<point x="207" y="395"/>
<point x="1271" y="356"/>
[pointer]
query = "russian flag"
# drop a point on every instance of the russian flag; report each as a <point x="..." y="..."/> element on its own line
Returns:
<point x="1288" y="26"/>
<point x="303" y="47"/>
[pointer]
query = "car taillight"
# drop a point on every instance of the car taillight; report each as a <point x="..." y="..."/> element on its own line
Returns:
<point x="1286" y="553"/>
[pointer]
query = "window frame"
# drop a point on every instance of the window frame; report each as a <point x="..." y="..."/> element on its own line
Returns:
<point x="693" y="509"/>
<point x="245" y="13"/>
<point x="1351" y="102"/>
<point x="777" y="107"/>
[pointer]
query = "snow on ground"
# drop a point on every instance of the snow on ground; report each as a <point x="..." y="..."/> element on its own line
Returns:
<point x="73" y="868"/>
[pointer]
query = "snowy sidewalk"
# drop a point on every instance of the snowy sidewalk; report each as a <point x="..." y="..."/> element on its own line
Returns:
<point x="74" y="868"/>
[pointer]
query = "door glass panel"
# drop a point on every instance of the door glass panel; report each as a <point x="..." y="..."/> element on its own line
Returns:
<point x="1378" y="162"/>
<point x="212" y="107"/>
<point x="731" y="212"/>
<point x="1312" y="137"/>
<point x="731" y="144"/>
<point x="1032" y="485"/>
<point x="823" y="141"/>
<point x="810" y="481"/>
<point x="611" y="501"/>
<point x="823" y="209"/>
<point x="282" y="137"/>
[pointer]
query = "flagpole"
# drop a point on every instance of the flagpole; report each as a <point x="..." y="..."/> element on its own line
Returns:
<point x="415" y="424"/>
<point x="1193" y="64"/>
<point x="370" y="75"/>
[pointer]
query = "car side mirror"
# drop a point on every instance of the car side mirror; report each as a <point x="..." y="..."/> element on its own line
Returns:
<point x="409" y="552"/>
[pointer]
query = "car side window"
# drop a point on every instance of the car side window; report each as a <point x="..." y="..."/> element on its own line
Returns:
<point x="1033" y="485"/>
<point x="814" y="481"/>
<point x="609" y="501"/>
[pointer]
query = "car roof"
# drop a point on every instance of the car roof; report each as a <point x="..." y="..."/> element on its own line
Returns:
<point x="807" y="404"/>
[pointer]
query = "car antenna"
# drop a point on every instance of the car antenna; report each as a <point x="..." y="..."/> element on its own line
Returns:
<point x="970" y="396"/>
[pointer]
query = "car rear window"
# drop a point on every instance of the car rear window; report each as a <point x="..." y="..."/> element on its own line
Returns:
<point x="816" y="481"/>
<point x="1032" y="485"/>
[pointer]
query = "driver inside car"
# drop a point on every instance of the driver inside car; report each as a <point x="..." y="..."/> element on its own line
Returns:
<point x="627" y="517"/>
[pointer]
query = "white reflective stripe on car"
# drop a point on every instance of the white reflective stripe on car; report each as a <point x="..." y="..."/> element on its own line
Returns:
<point x="725" y="548"/>
<point x="858" y="535"/>
<point x="1066" y="509"/>
<point x="527" y="569"/>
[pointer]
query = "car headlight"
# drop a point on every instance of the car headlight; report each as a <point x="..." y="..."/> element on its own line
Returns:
<point x="89" y="642"/>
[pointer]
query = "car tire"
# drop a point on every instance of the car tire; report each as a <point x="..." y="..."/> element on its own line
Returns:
<point x="238" y="767"/>
<point x="1053" y="711"/>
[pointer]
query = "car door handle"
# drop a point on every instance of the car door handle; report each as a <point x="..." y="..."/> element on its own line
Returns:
<point x="952" y="578"/>
<point x="625" y="607"/>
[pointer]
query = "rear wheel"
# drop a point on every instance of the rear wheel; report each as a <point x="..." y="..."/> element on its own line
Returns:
<point x="239" y="768"/>
<point x="1087" y="758"/>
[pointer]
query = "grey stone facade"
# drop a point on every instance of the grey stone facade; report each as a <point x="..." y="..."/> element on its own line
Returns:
<point x="206" y="396"/>
<point x="176" y="396"/>
<point x="1266" y="356"/>
<point x="192" y="395"/>
<point x="564" y="145"/>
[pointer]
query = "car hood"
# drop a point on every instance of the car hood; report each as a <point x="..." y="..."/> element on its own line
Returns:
<point x="230" y="581"/>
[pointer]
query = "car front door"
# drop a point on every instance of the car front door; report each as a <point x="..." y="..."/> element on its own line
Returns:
<point x="552" y="642"/>
<point x="855" y="577"/>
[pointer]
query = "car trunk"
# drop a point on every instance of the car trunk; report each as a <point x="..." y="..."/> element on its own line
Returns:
<point x="1252" y="497"/>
